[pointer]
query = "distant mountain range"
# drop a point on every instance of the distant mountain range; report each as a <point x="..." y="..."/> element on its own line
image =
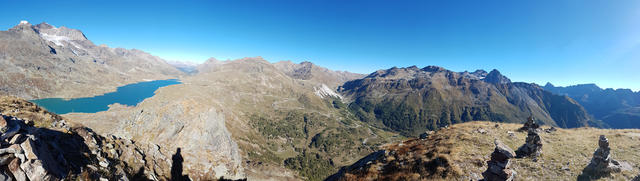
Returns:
<point x="39" y="61"/>
<point x="412" y="100"/>
<point x="619" y="108"/>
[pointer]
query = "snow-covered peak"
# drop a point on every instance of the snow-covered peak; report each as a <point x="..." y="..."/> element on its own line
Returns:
<point x="323" y="92"/>
<point x="23" y="22"/>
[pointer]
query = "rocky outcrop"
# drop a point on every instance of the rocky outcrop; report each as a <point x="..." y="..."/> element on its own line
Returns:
<point x="52" y="149"/>
<point x="495" y="77"/>
<point x="499" y="166"/>
<point x="602" y="164"/>
<point x="532" y="146"/>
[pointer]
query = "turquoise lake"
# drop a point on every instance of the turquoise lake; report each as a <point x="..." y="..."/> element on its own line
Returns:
<point x="130" y="95"/>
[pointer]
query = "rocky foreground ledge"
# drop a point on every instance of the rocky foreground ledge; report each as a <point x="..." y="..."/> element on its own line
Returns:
<point x="38" y="145"/>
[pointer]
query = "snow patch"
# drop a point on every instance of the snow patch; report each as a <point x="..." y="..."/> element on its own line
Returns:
<point x="323" y="91"/>
<point x="59" y="39"/>
<point x="23" y="22"/>
<point x="55" y="38"/>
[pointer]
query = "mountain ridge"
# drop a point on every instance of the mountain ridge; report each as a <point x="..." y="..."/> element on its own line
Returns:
<point x="41" y="61"/>
<point x="386" y="96"/>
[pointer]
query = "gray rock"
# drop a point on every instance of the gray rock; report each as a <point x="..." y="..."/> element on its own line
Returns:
<point x="34" y="170"/>
<point x="602" y="164"/>
<point x="499" y="166"/>
<point x="551" y="130"/>
<point x="12" y="129"/>
<point x="4" y="176"/>
<point x="16" y="139"/>
<point x="16" y="171"/>
<point x="28" y="147"/>
<point x="532" y="146"/>
<point x="530" y="124"/>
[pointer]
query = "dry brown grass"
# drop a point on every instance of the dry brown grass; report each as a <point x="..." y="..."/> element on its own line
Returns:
<point x="461" y="152"/>
<point x="565" y="152"/>
<point x="26" y="110"/>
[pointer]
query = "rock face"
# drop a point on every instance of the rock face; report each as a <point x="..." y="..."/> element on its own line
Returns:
<point x="532" y="146"/>
<point x="39" y="61"/>
<point x="60" y="151"/>
<point x="499" y="165"/>
<point x="602" y="164"/>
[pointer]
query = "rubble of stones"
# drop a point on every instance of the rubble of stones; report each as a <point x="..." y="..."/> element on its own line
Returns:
<point x="499" y="165"/>
<point x="61" y="152"/>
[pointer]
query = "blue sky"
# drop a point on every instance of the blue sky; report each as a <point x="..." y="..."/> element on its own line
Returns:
<point x="562" y="42"/>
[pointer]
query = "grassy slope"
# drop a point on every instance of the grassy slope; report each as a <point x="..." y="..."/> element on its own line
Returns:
<point x="463" y="153"/>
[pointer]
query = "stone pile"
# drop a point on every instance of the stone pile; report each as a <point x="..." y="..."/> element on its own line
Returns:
<point x="532" y="146"/>
<point x="530" y="124"/>
<point x="499" y="166"/>
<point x="602" y="164"/>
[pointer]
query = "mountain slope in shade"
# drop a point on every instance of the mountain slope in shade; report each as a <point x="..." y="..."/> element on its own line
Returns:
<point x="411" y="100"/>
<point x="618" y="108"/>
<point x="39" y="61"/>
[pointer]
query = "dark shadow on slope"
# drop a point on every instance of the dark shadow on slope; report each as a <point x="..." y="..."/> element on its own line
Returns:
<point x="140" y="176"/>
<point x="224" y="179"/>
<point x="176" y="167"/>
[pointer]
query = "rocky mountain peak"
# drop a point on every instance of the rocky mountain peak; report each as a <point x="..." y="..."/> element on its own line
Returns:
<point x="433" y="68"/>
<point x="22" y="26"/>
<point x="44" y="25"/>
<point x="496" y="77"/>
<point x="548" y="85"/>
<point x="49" y="32"/>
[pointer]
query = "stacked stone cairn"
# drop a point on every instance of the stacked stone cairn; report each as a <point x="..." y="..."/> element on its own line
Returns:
<point x="602" y="164"/>
<point x="499" y="165"/>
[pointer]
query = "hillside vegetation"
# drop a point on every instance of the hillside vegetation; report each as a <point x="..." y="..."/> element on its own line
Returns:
<point x="461" y="152"/>
<point x="412" y="100"/>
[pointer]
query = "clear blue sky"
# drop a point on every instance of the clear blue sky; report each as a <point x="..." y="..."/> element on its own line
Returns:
<point x="562" y="42"/>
